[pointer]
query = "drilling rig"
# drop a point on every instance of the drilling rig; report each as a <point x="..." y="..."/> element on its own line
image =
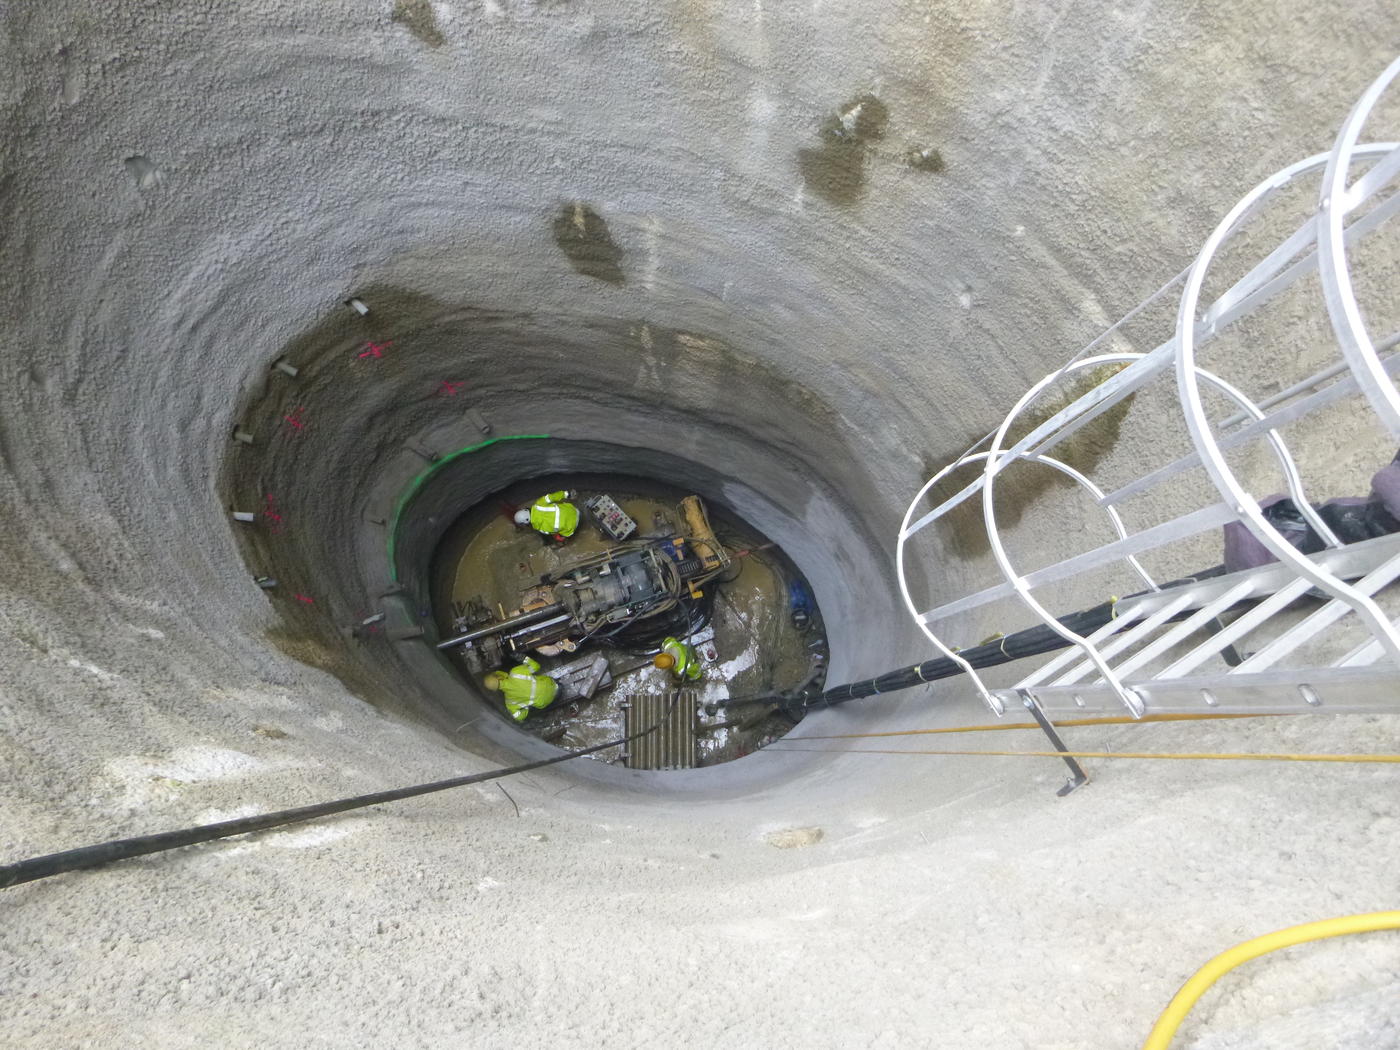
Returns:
<point x="627" y="596"/>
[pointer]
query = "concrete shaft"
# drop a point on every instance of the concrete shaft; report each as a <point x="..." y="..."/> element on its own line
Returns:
<point x="803" y="253"/>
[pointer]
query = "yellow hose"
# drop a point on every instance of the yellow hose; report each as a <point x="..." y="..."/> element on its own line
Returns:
<point x="1121" y="720"/>
<point x="1163" y="1031"/>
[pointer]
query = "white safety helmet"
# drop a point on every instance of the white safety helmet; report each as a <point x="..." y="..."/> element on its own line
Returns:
<point x="522" y="516"/>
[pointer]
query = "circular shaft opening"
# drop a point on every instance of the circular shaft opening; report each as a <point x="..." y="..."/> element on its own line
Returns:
<point x="575" y="604"/>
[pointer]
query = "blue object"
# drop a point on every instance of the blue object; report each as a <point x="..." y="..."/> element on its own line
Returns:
<point x="800" y="599"/>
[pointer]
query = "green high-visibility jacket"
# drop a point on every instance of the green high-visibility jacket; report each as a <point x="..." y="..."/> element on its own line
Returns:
<point x="551" y="515"/>
<point x="687" y="663"/>
<point x="525" y="688"/>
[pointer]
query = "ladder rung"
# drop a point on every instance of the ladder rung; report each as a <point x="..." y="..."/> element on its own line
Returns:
<point x="1068" y="656"/>
<point x="1128" y="638"/>
<point x="1185" y="628"/>
<point x="1236" y="630"/>
<point x="1329" y="614"/>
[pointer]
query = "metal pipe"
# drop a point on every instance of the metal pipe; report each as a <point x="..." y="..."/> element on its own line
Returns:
<point x="535" y="634"/>
<point x="523" y="620"/>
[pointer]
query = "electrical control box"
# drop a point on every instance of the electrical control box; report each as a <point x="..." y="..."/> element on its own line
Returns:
<point x="609" y="517"/>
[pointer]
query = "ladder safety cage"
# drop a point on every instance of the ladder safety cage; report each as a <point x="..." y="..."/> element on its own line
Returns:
<point x="1116" y="666"/>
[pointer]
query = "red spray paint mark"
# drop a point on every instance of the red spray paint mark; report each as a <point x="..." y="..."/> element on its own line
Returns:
<point x="296" y="419"/>
<point x="304" y="598"/>
<point x="376" y="349"/>
<point x="449" y="388"/>
<point x="271" y="514"/>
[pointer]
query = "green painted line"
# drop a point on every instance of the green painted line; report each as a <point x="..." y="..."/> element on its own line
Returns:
<point x="433" y="468"/>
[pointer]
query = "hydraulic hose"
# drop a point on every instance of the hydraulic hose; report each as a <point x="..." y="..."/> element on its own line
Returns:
<point x="1165" y="1029"/>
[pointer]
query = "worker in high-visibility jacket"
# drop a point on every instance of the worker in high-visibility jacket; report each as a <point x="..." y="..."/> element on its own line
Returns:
<point x="551" y="515"/>
<point x="679" y="658"/>
<point x="524" y="688"/>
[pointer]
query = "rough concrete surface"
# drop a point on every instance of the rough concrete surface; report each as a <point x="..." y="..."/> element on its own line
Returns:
<point x="688" y="229"/>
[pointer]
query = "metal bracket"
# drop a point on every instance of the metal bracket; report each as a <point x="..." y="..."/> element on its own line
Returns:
<point x="1079" y="777"/>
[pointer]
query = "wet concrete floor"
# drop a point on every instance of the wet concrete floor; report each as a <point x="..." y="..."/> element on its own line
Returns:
<point x="750" y="646"/>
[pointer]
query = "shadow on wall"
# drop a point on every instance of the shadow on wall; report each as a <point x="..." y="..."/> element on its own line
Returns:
<point x="962" y="528"/>
<point x="836" y="169"/>
<point x="583" y="236"/>
<point x="418" y="18"/>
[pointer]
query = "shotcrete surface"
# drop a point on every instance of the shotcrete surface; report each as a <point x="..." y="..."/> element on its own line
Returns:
<point x="680" y="214"/>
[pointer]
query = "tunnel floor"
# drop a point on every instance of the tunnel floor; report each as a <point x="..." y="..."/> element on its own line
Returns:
<point x="745" y="632"/>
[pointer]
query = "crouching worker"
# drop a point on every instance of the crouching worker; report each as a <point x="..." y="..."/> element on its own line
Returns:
<point x="678" y="658"/>
<point x="551" y="515"/>
<point x="523" y="688"/>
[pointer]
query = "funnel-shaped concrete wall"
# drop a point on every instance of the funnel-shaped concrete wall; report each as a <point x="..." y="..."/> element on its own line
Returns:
<point x="813" y="249"/>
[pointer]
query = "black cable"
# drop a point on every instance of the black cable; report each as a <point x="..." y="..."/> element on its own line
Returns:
<point x="1033" y="641"/>
<point x="123" y="849"/>
<point x="638" y="637"/>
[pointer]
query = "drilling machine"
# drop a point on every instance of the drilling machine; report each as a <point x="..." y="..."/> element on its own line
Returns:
<point x="619" y="596"/>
